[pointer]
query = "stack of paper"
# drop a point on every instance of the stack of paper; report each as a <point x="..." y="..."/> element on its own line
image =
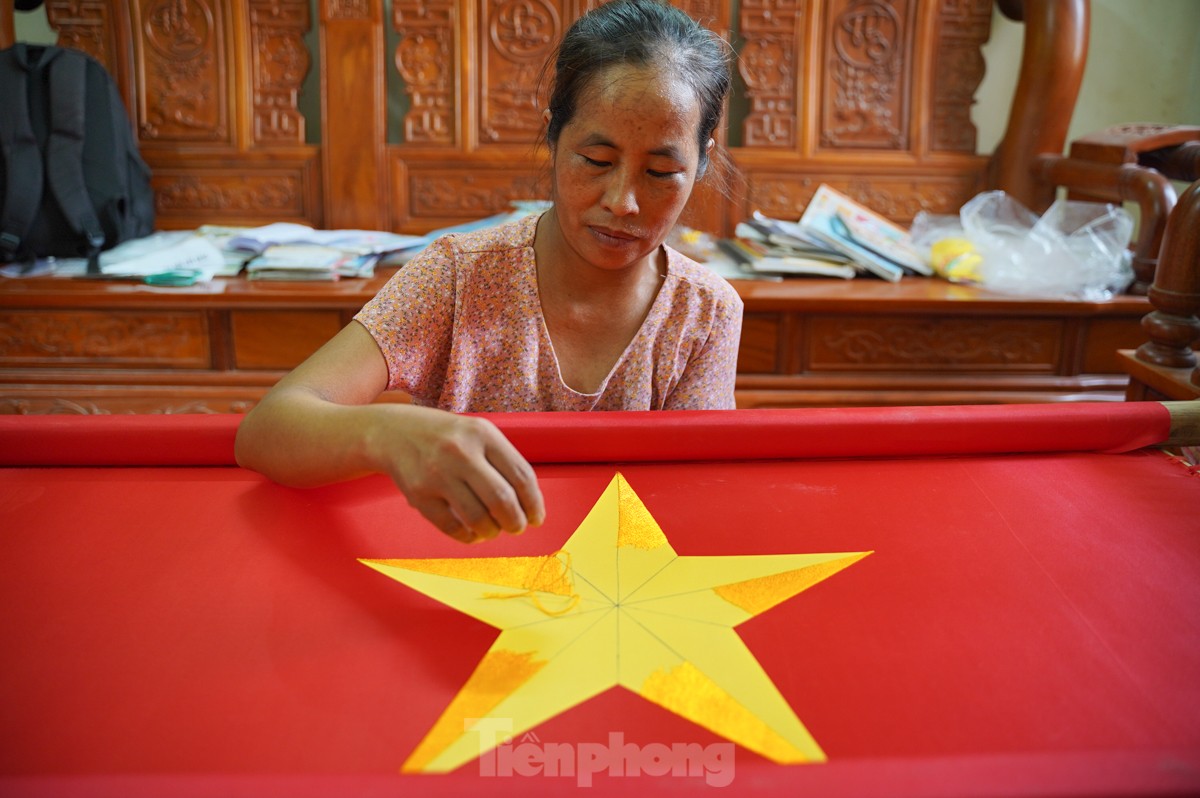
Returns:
<point x="288" y="251"/>
<point x="297" y="262"/>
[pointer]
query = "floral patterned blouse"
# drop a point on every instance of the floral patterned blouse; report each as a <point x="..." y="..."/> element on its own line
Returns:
<point x="461" y="329"/>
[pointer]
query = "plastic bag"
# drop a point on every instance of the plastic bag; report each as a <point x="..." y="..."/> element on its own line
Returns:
<point x="1076" y="249"/>
<point x="941" y="240"/>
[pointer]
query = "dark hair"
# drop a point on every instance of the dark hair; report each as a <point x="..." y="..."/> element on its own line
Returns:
<point x="640" y="33"/>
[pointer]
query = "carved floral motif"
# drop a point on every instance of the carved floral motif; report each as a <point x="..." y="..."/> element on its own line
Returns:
<point x="255" y="194"/>
<point x="156" y="339"/>
<point x="426" y="60"/>
<point x="183" y="97"/>
<point x="866" y="93"/>
<point x="347" y="9"/>
<point x="963" y="27"/>
<point x="61" y="406"/>
<point x="520" y="37"/>
<point x="949" y="342"/>
<point x="902" y="201"/>
<point x="899" y="200"/>
<point x="83" y="25"/>
<point x="280" y="63"/>
<point x="767" y="65"/>
<point x="468" y="195"/>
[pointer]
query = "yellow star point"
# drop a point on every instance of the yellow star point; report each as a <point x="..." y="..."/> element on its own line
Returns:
<point x="618" y="607"/>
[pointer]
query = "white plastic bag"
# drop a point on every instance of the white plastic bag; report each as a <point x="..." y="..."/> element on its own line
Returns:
<point x="1075" y="249"/>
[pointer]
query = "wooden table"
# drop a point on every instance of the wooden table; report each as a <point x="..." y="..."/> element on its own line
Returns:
<point x="70" y="345"/>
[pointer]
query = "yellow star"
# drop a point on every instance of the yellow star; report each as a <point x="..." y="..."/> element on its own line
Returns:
<point x="617" y="606"/>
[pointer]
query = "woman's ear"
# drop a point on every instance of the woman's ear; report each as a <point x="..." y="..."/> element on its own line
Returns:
<point x="702" y="167"/>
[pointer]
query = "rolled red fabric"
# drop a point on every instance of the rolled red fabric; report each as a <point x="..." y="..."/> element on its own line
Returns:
<point x="124" y="440"/>
<point x="834" y="432"/>
<point x="207" y="440"/>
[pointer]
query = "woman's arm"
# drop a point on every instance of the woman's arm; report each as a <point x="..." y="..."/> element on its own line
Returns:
<point x="317" y="425"/>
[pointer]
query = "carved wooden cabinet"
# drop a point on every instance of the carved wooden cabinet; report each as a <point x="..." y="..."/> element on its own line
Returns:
<point x="88" y="347"/>
<point x="429" y="109"/>
<point x="423" y="113"/>
<point x="71" y="346"/>
<point x="860" y="342"/>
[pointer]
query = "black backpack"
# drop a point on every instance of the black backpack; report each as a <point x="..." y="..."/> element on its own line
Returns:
<point x="73" y="182"/>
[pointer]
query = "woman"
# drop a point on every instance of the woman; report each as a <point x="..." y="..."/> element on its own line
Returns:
<point x="583" y="308"/>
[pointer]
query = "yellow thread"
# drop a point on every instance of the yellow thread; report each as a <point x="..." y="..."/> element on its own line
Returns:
<point x="536" y="582"/>
<point x="636" y="527"/>
<point x="764" y="592"/>
<point x="498" y="674"/>
<point x="686" y="691"/>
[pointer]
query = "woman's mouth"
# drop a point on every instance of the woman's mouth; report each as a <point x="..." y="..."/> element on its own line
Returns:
<point x="613" y="238"/>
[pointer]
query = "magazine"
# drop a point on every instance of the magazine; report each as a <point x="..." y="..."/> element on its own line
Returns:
<point x="875" y="243"/>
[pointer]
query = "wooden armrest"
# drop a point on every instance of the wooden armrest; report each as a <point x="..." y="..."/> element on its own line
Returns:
<point x="1173" y="150"/>
<point x="1173" y="326"/>
<point x="1166" y="364"/>
<point x="1134" y="163"/>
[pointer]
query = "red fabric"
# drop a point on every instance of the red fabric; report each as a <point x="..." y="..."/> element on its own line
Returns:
<point x="641" y="437"/>
<point x="152" y="440"/>
<point x="1027" y="624"/>
<point x="835" y="432"/>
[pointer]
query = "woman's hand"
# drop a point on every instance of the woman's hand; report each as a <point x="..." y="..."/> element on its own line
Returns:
<point x="459" y="472"/>
<point x="319" y="425"/>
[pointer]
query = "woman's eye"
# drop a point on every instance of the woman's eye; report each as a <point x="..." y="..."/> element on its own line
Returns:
<point x="655" y="173"/>
<point x="592" y="162"/>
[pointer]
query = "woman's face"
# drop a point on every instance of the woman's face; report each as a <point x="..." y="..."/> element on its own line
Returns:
<point x="625" y="164"/>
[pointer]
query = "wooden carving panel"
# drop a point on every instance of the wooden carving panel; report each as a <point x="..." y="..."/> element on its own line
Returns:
<point x="255" y="194"/>
<point x="962" y="28"/>
<point x="141" y="339"/>
<point x="280" y="62"/>
<point x="347" y="9"/>
<point x="768" y="64"/>
<point x="427" y="60"/>
<point x="898" y="198"/>
<point x="867" y="75"/>
<point x="185" y="72"/>
<point x="85" y="25"/>
<point x="467" y="193"/>
<point x="82" y="402"/>
<point x="515" y="39"/>
<point x="903" y="343"/>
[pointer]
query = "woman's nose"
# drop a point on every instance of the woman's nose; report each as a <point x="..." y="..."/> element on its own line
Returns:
<point x="620" y="195"/>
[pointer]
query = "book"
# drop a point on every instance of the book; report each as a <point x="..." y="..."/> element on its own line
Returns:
<point x="875" y="243"/>
<point x="753" y="237"/>
<point x="753" y="261"/>
<point x="297" y="262"/>
<point x="782" y="233"/>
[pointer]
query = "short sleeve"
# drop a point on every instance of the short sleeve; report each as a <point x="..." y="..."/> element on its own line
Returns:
<point x="707" y="382"/>
<point x="412" y="321"/>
